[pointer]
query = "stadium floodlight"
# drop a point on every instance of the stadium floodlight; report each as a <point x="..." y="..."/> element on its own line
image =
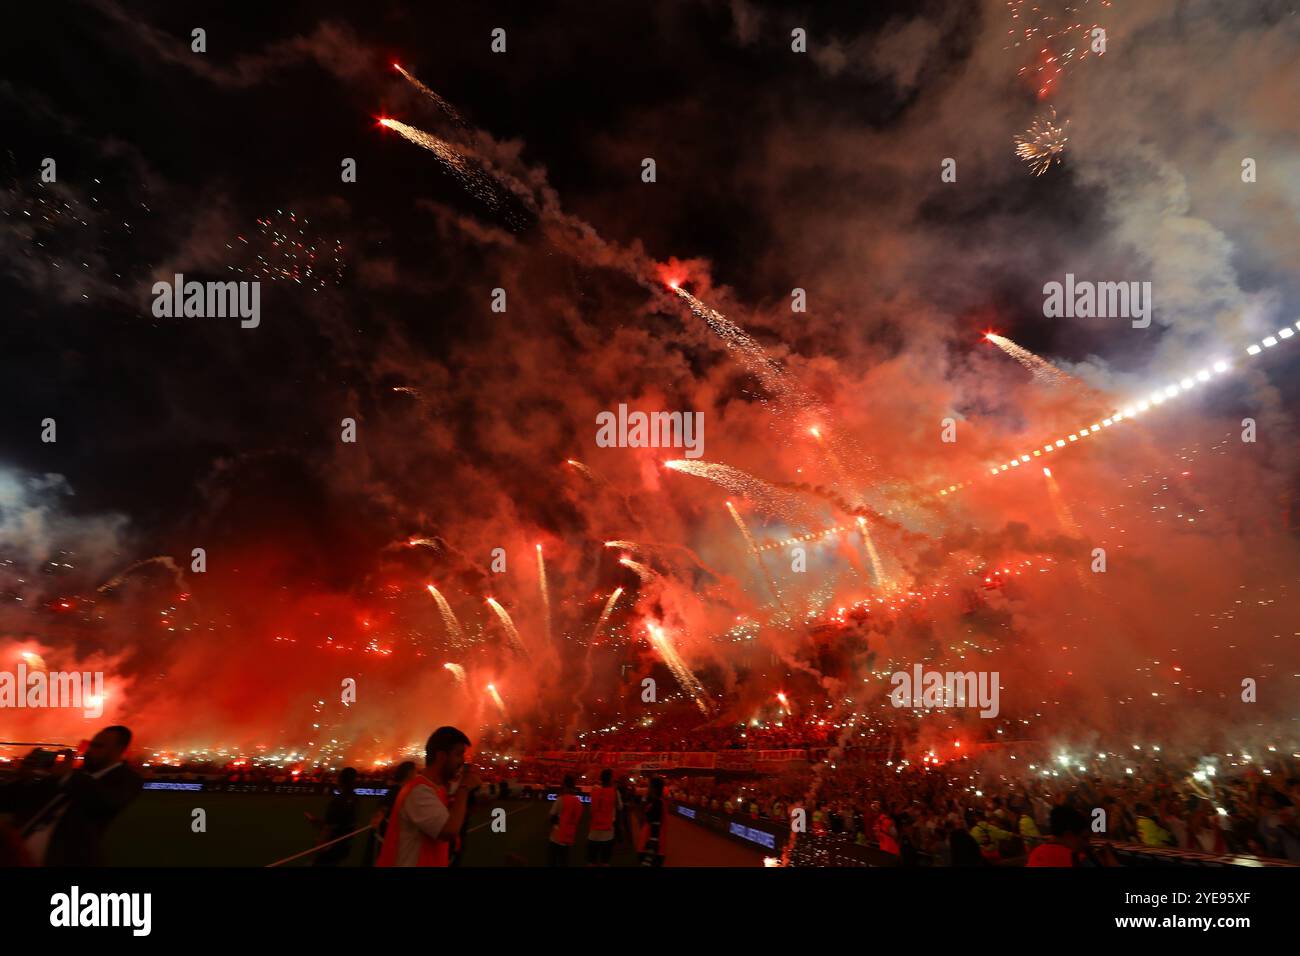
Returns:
<point x="1253" y="350"/>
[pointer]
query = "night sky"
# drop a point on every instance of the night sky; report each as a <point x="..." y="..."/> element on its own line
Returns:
<point x="776" y="170"/>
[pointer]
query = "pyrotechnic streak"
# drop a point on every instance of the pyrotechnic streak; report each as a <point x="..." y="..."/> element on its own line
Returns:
<point x="437" y="100"/>
<point x="546" y="594"/>
<point x="415" y="542"/>
<point x="448" y="617"/>
<point x="457" y="671"/>
<point x="1043" y="371"/>
<point x="623" y="545"/>
<point x="496" y="698"/>
<point x="1137" y="407"/>
<point x="472" y="177"/>
<point x="1043" y="144"/>
<point x="765" y="496"/>
<point x="785" y="702"/>
<point x="789" y="398"/>
<point x="1064" y="516"/>
<point x="581" y="469"/>
<point x="685" y="677"/>
<point x="877" y="567"/>
<point x="604" y="614"/>
<point x="511" y="631"/>
<point x="580" y="693"/>
<point x="758" y="557"/>
<point x="642" y="571"/>
<point x="163" y="560"/>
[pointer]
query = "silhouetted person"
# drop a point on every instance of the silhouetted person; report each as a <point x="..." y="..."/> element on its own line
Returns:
<point x="64" y="815"/>
<point x="340" y="819"/>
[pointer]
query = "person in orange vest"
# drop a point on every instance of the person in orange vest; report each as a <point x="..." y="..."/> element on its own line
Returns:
<point x="427" y="815"/>
<point x="565" y="814"/>
<point x="605" y="807"/>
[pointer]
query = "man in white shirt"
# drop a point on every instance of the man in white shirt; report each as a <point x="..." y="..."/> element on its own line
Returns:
<point x="429" y="812"/>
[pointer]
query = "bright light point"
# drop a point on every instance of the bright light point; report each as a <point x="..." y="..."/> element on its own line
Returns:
<point x="1074" y="438"/>
<point x="1157" y="398"/>
<point x="1186" y="383"/>
<point x="1016" y="463"/>
<point x="1253" y="350"/>
<point x="995" y="472"/>
<point x="1171" y="391"/>
<point x="1047" y="472"/>
<point x="1038" y="453"/>
<point x="1004" y="468"/>
<point x="1203" y="375"/>
<point x="1096" y="427"/>
<point x="1106" y="422"/>
<point x="1024" y="458"/>
<point x="1285" y="333"/>
<point x="1060" y="443"/>
<point x="1269" y="342"/>
<point x="1220" y="367"/>
<point x="814" y="432"/>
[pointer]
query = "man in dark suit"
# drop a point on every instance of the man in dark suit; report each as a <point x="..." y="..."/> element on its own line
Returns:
<point x="64" y="816"/>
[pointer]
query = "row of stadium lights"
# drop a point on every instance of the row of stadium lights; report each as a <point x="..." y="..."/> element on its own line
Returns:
<point x="1156" y="398"/>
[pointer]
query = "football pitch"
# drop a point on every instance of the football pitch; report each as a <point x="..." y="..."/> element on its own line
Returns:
<point x="256" y="829"/>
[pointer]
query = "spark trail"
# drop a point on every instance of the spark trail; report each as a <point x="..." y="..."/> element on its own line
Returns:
<point x="449" y="620"/>
<point x="877" y="567"/>
<point x="766" y="496"/>
<point x="546" y="595"/>
<point x="470" y="176"/>
<point x="511" y="631"/>
<point x="1043" y="371"/>
<point x="438" y="101"/>
<point x="642" y="571"/>
<point x="456" y="671"/>
<point x="789" y="399"/>
<point x="163" y="560"/>
<point x="753" y="549"/>
<point x="496" y="698"/>
<point x="581" y="692"/>
<point x="685" y="676"/>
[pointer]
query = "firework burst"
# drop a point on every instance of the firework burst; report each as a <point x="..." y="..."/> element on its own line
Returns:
<point x="1043" y="144"/>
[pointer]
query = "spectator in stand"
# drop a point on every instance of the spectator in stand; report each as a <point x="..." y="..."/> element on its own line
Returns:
<point x="1149" y="830"/>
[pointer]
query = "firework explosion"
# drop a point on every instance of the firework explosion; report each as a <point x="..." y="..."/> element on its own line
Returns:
<point x="284" y="250"/>
<point x="1043" y="144"/>
<point x="891" y="578"/>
